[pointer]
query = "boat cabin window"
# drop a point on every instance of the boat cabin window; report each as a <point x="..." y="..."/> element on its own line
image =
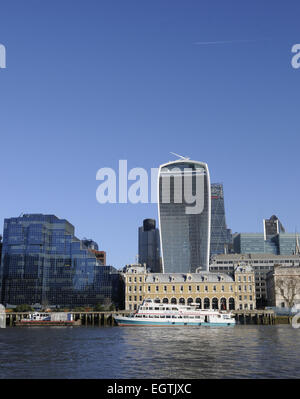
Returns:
<point x="162" y="316"/>
<point x="168" y="317"/>
<point x="174" y="309"/>
<point x="156" y="308"/>
<point x="150" y="308"/>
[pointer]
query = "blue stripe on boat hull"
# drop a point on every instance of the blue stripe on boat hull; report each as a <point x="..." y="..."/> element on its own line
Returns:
<point x="166" y="323"/>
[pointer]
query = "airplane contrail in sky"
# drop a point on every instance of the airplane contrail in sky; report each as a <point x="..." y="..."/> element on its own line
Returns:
<point x="228" y="41"/>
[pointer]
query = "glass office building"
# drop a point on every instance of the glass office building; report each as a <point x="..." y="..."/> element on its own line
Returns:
<point x="288" y="243"/>
<point x="221" y="237"/>
<point x="184" y="215"/>
<point x="149" y="245"/>
<point x="272" y="226"/>
<point x="43" y="262"/>
<point x="255" y="243"/>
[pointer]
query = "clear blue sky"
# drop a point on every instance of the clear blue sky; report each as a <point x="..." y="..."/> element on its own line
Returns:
<point x="91" y="82"/>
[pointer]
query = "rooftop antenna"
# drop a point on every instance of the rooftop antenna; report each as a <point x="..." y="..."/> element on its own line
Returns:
<point x="179" y="156"/>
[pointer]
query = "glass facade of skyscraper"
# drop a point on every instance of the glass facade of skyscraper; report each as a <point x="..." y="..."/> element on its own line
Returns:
<point x="43" y="262"/>
<point x="184" y="215"/>
<point x="220" y="236"/>
<point x="287" y="243"/>
<point x="255" y="243"/>
<point x="272" y="226"/>
<point x="149" y="245"/>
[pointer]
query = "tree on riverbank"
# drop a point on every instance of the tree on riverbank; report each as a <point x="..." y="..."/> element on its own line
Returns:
<point x="289" y="288"/>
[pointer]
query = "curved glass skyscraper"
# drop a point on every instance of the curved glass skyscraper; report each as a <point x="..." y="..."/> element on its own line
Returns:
<point x="184" y="215"/>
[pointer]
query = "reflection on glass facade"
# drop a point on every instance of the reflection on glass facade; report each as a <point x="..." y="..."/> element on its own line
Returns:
<point x="254" y="243"/>
<point x="43" y="262"/>
<point x="287" y="243"/>
<point x="220" y="237"/>
<point x="184" y="216"/>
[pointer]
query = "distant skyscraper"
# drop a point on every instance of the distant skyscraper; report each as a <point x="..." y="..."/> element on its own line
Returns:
<point x="272" y="226"/>
<point x="184" y="215"/>
<point x="220" y="234"/>
<point x="0" y="261"/>
<point x="149" y="245"/>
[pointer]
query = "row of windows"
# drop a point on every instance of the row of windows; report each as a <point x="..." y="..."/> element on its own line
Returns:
<point x="245" y="278"/>
<point x="245" y="288"/>
<point x="179" y="288"/>
<point x="134" y="279"/>
<point x="245" y="298"/>
<point x="258" y="261"/>
<point x="214" y="303"/>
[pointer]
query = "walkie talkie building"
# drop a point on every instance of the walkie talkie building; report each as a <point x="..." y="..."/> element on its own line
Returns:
<point x="184" y="215"/>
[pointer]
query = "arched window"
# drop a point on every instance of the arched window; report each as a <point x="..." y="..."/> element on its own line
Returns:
<point x="189" y="301"/>
<point x="182" y="301"/>
<point x="223" y="305"/>
<point x="215" y="303"/>
<point x="198" y="300"/>
<point x="231" y="304"/>
<point x="206" y="303"/>
<point x="174" y="301"/>
<point x="165" y="300"/>
<point x="157" y="300"/>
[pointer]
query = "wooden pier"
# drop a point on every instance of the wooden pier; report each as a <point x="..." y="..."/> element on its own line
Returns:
<point x="83" y="318"/>
<point x="265" y="316"/>
<point x="103" y="319"/>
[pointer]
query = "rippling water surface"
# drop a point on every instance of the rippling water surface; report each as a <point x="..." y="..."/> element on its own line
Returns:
<point x="161" y="352"/>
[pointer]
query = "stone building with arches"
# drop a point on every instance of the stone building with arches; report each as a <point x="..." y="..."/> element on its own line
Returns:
<point x="210" y="290"/>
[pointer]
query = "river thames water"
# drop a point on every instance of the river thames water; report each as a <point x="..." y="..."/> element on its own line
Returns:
<point x="243" y="351"/>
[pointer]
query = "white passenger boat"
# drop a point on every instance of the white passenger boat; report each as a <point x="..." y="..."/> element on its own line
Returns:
<point x="150" y="313"/>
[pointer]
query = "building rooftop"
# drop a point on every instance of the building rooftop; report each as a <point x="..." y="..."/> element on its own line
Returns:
<point x="186" y="277"/>
<point x="241" y="257"/>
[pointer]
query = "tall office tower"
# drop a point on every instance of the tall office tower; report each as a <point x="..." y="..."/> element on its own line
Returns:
<point x="0" y="251"/>
<point x="221" y="237"/>
<point x="184" y="215"/>
<point x="149" y="245"/>
<point x="272" y="226"/>
<point x="43" y="262"/>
